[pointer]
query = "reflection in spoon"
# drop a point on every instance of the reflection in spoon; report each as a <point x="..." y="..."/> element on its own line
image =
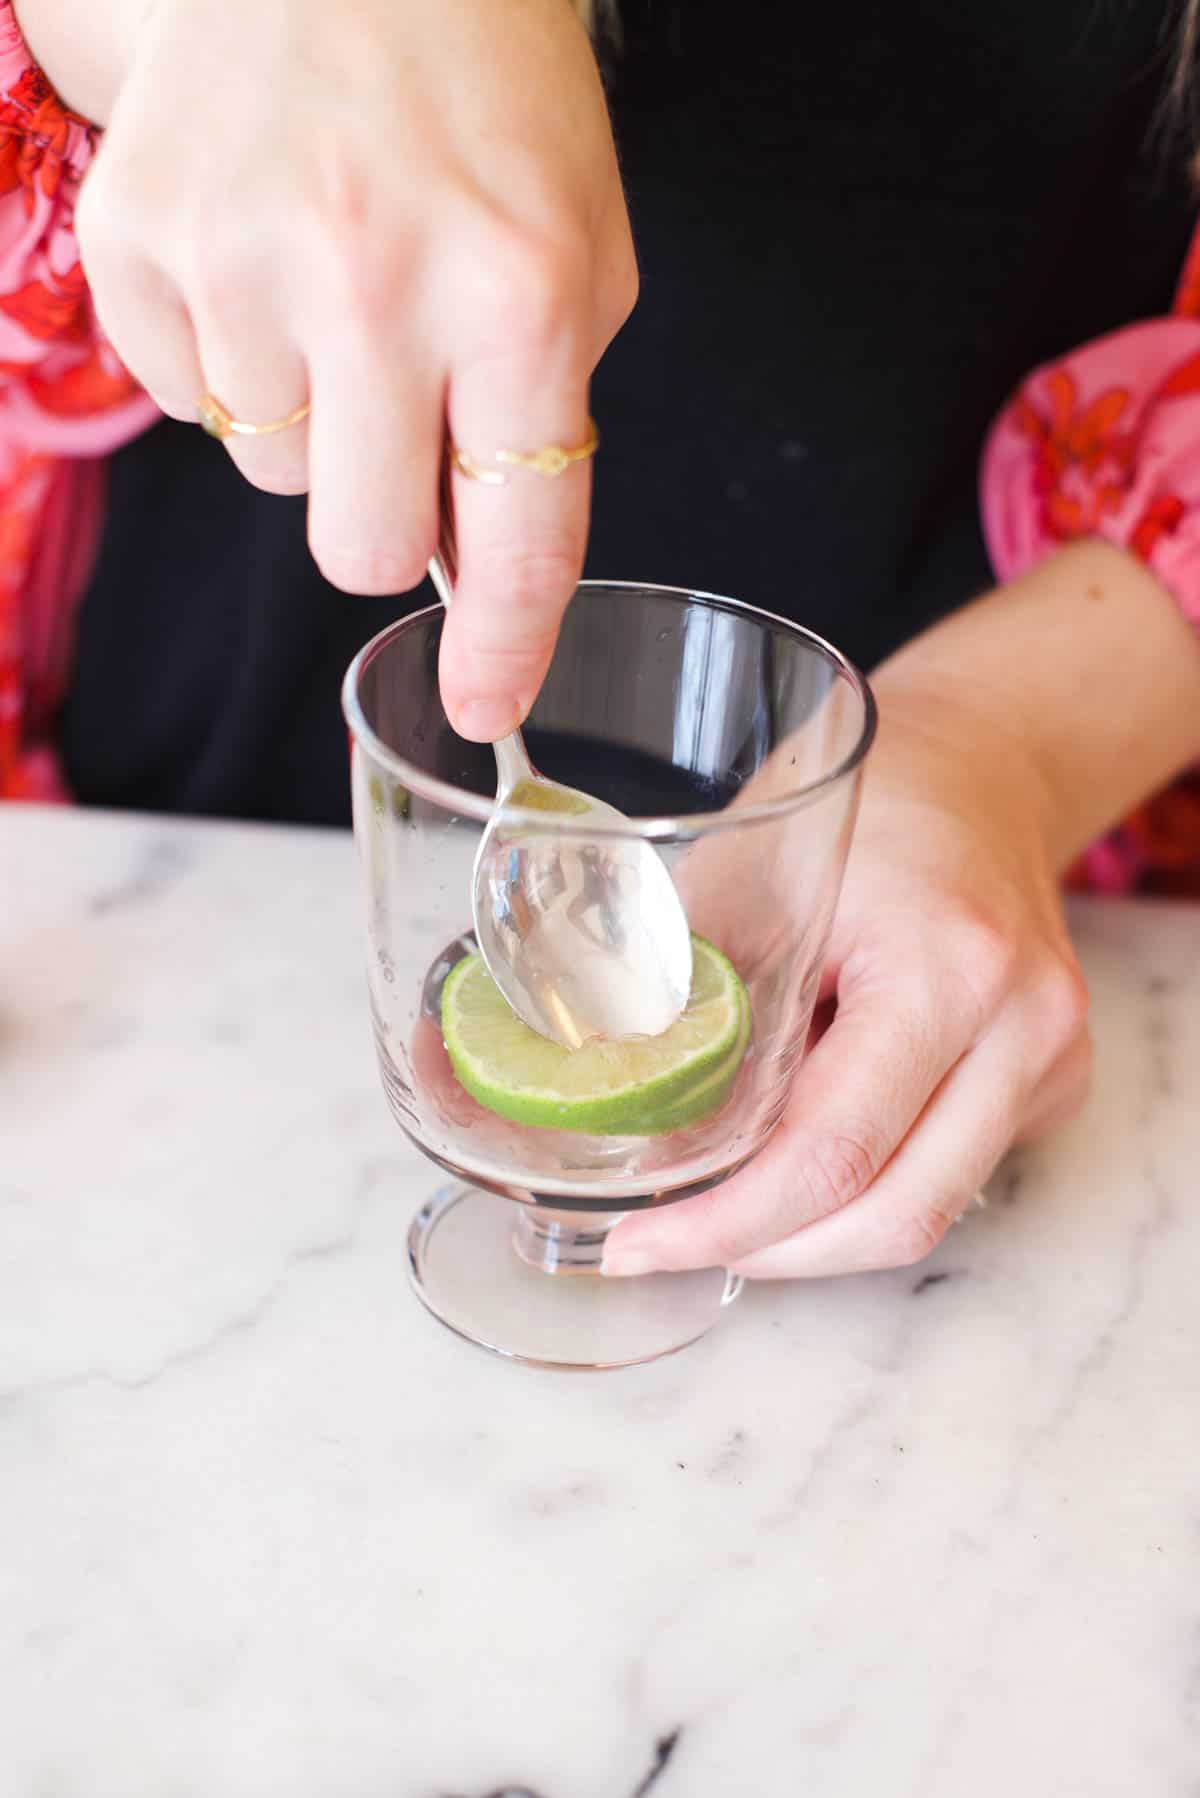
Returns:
<point x="584" y="936"/>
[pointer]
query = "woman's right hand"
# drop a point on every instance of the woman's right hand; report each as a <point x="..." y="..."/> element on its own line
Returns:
<point x="409" y="215"/>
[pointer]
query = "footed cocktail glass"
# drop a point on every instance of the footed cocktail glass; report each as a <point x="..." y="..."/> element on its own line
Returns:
<point x="731" y="740"/>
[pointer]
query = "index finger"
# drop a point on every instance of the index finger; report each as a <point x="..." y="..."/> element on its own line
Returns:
<point x="520" y="542"/>
<point x="855" y="1099"/>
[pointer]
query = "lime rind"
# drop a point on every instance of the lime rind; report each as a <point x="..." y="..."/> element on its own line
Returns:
<point x="640" y="1087"/>
<point x="710" y="1095"/>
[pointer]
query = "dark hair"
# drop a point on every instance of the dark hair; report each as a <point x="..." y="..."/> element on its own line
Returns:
<point x="1176" y="128"/>
<point x="1181" y="96"/>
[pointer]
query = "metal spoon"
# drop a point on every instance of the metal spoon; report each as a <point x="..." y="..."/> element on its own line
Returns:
<point x="584" y="936"/>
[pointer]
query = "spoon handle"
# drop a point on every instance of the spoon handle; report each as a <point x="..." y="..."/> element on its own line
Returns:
<point x="512" y="763"/>
<point x="512" y="758"/>
<point x="443" y="568"/>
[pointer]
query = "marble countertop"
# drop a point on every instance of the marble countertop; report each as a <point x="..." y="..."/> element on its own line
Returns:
<point x="268" y="1531"/>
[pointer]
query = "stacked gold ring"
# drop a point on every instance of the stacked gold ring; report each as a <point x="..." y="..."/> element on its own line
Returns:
<point x="219" y="422"/>
<point x="550" y="462"/>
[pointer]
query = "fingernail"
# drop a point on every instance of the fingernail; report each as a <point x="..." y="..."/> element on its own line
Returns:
<point x="486" y="720"/>
<point x="621" y="1263"/>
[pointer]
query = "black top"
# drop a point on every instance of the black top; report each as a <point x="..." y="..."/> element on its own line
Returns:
<point x="859" y="225"/>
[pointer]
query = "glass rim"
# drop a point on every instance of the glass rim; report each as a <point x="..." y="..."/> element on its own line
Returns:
<point x="475" y="805"/>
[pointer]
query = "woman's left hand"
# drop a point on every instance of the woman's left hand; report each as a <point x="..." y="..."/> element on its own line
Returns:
<point x="960" y="1023"/>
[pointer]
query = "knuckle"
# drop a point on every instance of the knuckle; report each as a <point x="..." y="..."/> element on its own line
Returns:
<point x="627" y="289"/>
<point x="526" y="289"/>
<point x="511" y="667"/>
<point x="542" y="580"/>
<point x="223" y="265"/>
<point x="219" y="297"/>
<point x="360" y="271"/>
<point x="837" y="1168"/>
<point x="620" y="291"/>
<point x="344" y="199"/>
<point x="92" y="213"/>
<point x="1061" y="1003"/>
<point x="119" y="195"/>
<point x="371" y="287"/>
<point x="916" y="1024"/>
<point x="526" y="592"/>
<point x="984" y="952"/>
<point x="505" y="660"/>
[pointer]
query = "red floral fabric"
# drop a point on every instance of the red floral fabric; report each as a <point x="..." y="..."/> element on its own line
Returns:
<point x="1106" y="442"/>
<point x="65" y="402"/>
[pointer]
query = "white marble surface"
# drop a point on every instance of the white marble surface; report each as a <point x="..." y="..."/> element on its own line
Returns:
<point x="266" y="1529"/>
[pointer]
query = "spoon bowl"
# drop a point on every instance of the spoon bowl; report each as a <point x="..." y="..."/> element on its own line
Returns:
<point x="585" y="936"/>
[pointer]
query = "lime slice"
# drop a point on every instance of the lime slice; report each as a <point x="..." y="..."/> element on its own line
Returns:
<point x="643" y="1086"/>
<point x="709" y="1096"/>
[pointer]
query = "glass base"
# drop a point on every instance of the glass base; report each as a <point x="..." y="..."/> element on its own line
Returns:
<point x="524" y="1281"/>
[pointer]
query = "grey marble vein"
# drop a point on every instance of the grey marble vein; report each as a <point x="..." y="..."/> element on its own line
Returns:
<point x="159" y="862"/>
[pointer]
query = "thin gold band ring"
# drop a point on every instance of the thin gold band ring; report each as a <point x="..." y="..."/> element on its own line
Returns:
<point x="550" y="462"/>
<point x="219" y="422"/>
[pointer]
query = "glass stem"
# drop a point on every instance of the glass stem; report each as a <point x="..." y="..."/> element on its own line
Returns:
<point x="563" y="1242"/>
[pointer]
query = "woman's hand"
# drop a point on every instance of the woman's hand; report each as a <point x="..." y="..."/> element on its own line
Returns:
<point x="959" y="1023"/>
<point x="1008" y="738"/>
<point x="408" y="214"/>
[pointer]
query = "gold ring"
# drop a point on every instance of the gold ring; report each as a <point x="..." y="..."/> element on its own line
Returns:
<point x="550" y="461"/>
<point x="220" y="423"/>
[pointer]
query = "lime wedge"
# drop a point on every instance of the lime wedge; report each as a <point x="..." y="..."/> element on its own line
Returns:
<point x="643" y="1086"/>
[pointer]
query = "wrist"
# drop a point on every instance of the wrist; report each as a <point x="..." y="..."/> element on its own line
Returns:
<point x="952" y="749"/>
<point x="1086" y="669"/>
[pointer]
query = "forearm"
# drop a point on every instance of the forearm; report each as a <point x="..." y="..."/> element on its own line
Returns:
<point x="1087" y="663"/>
<point x="83" y="48"/>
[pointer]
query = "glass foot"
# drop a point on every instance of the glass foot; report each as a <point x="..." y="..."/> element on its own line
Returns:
<point x="524" y="1281"/>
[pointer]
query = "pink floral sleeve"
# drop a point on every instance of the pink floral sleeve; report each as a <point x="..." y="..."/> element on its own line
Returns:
<point x="1106" y="443"/>
<point x="65" y="401"/>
